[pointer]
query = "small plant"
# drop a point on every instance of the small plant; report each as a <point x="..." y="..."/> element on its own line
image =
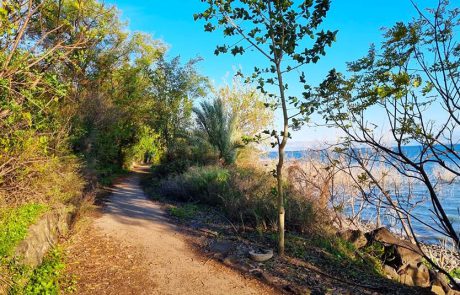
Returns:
<point x="14" y="224"/>
<point x="186" y="211"/>
<point x="45" y="278"/>
<point x="455" y="273"/>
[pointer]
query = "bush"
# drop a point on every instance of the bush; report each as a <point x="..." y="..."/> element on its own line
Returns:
<point x="244" y="194"/>
<point x="201" y="184"/>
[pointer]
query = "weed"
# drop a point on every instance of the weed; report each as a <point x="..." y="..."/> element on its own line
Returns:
<point x="455" y="273"/>
<point x="45" y="278"/>
<point x="14" y="223"/>
<point x="186" y="211"/>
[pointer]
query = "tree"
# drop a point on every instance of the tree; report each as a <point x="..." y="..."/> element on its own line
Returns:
<point x="38" y="39"/>
<point x="251" y="117"/>
<point x="217" y="124"/>
<point x="278" y="31"/>
<point x="248" y="105"/>
<point x="413" y="82"/>
<point x="174" y="88"/>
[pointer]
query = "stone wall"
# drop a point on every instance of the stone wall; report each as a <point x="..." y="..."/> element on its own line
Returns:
<point x="43" y="235"/>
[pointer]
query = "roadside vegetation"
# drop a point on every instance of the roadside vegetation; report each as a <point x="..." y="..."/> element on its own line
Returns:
<point x="82" y="99"/>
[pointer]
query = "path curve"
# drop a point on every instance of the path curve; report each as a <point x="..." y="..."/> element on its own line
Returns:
<point x="130" y="217"/>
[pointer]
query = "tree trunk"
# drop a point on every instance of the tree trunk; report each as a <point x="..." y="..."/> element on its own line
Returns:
<point x="281" y="211"/>
<point x="279" y="167"/>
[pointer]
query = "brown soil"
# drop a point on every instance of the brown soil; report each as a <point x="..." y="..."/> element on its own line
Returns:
<point x="134" y="248"/>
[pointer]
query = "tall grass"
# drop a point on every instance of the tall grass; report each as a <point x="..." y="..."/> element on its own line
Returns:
<point x="246" y="195"/>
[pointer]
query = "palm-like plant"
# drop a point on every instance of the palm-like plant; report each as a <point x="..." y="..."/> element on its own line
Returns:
<point x="217" y="126"/>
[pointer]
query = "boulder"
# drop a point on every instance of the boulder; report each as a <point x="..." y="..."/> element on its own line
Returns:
<point x="419" y="274"/>
<point x="221" y="247"/>
<point x="406" y="280"/>
<point x="440" y="280"/>
<point x="437" y="290"/>
<point x="43" y="235"/>
<point x="390" y="272"/>
<point x="400" y="252"/>
<point x="356" y="237"/>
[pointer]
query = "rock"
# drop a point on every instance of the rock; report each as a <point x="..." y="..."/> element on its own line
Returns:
<point x="438" y="290"/>
<point x="404" y="252"/>
<point x="261" y="256"/>
<point x="390" y="272"/>
<point x="406" y="280"/>
<point x="419" y="274"/>
<point x="230" y="260"/>
<point x="439" y="279"/>
<point x="222" y="247"/>
<point x="356" y="237"/>
<point x="42" y="236"/>
<point x="453" y="292"/>
<point x="238" y="264"/>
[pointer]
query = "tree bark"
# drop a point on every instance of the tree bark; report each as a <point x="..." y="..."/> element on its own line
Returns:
<point x="279" y="167"/>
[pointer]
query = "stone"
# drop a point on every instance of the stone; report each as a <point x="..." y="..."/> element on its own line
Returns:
<point x="406" y="280"/>
<point x="222" y="247"/>
<point x="390" y="272"/>
<point x="230" y="260"/>
<point x="438" y="290"/>
<point x="356" y="237"/>
<point x="404" y="251"/>
<point x="42" y="236"/>
<point x="419" y="273"/>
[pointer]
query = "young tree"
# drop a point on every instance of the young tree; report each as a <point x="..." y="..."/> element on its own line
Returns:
<point x="278" y="30"/>
<point x="217" y="124"/>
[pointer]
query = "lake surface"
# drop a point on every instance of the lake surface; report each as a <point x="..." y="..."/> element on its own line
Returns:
<point x="449" y="196"/>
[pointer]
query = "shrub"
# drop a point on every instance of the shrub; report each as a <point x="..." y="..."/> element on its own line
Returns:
<point x="184" y="153"/>
<point x="253" y="198"/>
<point x="244" y="194"/>
<point x="207" y="184"/>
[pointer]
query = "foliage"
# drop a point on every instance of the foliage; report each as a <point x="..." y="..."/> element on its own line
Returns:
<point x="455" y="273"/>
<point x="247" y="104"/>
<point x="277" y="30"/>
<point x="183" y="212"/>
<point x="244" y="194"/>
<point x="175" y="87"/>
<point x="14" y="223"/>
<point x="217" y="125"/>
<point x="413" y="82"/>
<point x="45" y="278"/>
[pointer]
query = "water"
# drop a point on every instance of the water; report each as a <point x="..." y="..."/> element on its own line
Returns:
<point x="449" y="194"/>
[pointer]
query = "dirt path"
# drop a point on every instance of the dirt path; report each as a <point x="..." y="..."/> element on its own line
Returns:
<point x="172" y="266"/>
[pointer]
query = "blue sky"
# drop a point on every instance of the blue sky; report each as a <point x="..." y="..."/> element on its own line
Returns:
<point x="359" y="23"/>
